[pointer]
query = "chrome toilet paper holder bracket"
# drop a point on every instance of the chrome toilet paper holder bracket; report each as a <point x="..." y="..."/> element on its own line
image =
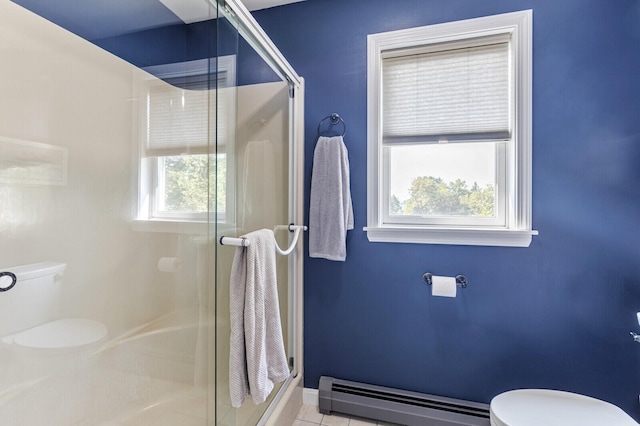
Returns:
<point x="461" y="280"/>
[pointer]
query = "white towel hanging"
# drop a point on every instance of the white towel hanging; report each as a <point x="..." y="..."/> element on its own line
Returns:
<point x="257" y="358"/>
<point x="330" y="207"/>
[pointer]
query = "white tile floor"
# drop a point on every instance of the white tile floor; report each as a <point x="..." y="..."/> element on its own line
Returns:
<point x="310" y="416"/>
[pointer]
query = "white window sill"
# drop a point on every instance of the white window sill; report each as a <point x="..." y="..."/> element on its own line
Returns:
<point x="455" y="236"/>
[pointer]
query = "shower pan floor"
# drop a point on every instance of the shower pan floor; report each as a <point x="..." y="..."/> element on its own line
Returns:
<point x="97" y="396"/>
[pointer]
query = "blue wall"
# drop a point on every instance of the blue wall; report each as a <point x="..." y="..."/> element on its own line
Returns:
<point x="554" y="315"/>
<point x="187" y="42"/>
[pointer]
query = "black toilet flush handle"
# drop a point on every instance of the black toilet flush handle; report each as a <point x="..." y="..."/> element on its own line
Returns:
<point x="3" y="281"/>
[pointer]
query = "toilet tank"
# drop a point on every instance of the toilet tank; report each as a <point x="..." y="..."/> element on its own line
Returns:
<point x="34" y="300"/>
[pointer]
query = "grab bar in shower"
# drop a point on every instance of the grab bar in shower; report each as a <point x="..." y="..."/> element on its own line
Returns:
<point x="245" y="242"/>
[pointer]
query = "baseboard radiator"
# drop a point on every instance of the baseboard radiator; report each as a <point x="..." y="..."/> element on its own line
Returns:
<point x="398" y="406"/>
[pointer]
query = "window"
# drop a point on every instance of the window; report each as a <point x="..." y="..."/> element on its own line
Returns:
<point x="449" y="133"/>
<point x="176" y="166"/>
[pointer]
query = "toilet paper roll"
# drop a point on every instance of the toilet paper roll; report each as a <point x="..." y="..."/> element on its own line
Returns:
<point x="443" y="286"/>
<point x="170" y="264"/>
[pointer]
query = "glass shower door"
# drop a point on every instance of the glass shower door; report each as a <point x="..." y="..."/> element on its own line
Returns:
<point x="128" y="147"/>
<point x="257" y="144"/>
<point x="105" y="164"/>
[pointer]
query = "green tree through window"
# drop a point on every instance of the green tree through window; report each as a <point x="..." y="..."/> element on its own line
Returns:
<point x="187" y="182"/>
<point x="433" y="196"/>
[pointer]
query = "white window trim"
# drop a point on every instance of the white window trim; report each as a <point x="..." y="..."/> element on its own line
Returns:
<point x="519" y="231"/>
<point x="145" y="219"/>
<point x="406" y="220"/>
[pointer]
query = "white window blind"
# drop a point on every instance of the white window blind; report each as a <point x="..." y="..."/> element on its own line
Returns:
<point x="178" y="118"/>
<point x="454" y="94"/>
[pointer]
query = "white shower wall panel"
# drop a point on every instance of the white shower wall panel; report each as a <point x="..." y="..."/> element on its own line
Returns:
<point x="60" y="90"/>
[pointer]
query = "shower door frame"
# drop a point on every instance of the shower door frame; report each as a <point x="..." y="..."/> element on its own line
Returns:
<point x="251" y="31"/>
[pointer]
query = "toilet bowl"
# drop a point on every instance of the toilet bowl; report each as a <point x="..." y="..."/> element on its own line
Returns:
<point x="30" y="326"/>
<point x="535" y="407"/>
<point x="57" y="346"/>
<point x="59" y="337"/>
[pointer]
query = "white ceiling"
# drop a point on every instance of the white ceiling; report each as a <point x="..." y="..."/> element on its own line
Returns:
<point x="197" y="10"/>
<point x="264" y="4"/>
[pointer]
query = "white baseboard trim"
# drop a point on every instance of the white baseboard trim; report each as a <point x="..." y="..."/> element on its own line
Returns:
<point x="310" y="396"/>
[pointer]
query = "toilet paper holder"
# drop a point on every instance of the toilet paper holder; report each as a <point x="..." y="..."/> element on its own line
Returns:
<point x="461" y="280"/>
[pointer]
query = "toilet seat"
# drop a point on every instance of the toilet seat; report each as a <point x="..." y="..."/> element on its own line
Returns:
<point x="65" y="335"/>
<point x="535" y="407"/>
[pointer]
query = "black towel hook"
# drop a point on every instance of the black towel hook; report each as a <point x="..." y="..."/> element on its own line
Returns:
<point x="334" y="119"/>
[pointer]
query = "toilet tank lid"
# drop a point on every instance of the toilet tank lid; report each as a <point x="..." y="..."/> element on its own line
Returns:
<point x="36" y="270"/>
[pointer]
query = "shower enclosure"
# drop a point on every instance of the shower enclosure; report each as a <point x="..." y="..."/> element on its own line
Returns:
<point x="133" y="136"/>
